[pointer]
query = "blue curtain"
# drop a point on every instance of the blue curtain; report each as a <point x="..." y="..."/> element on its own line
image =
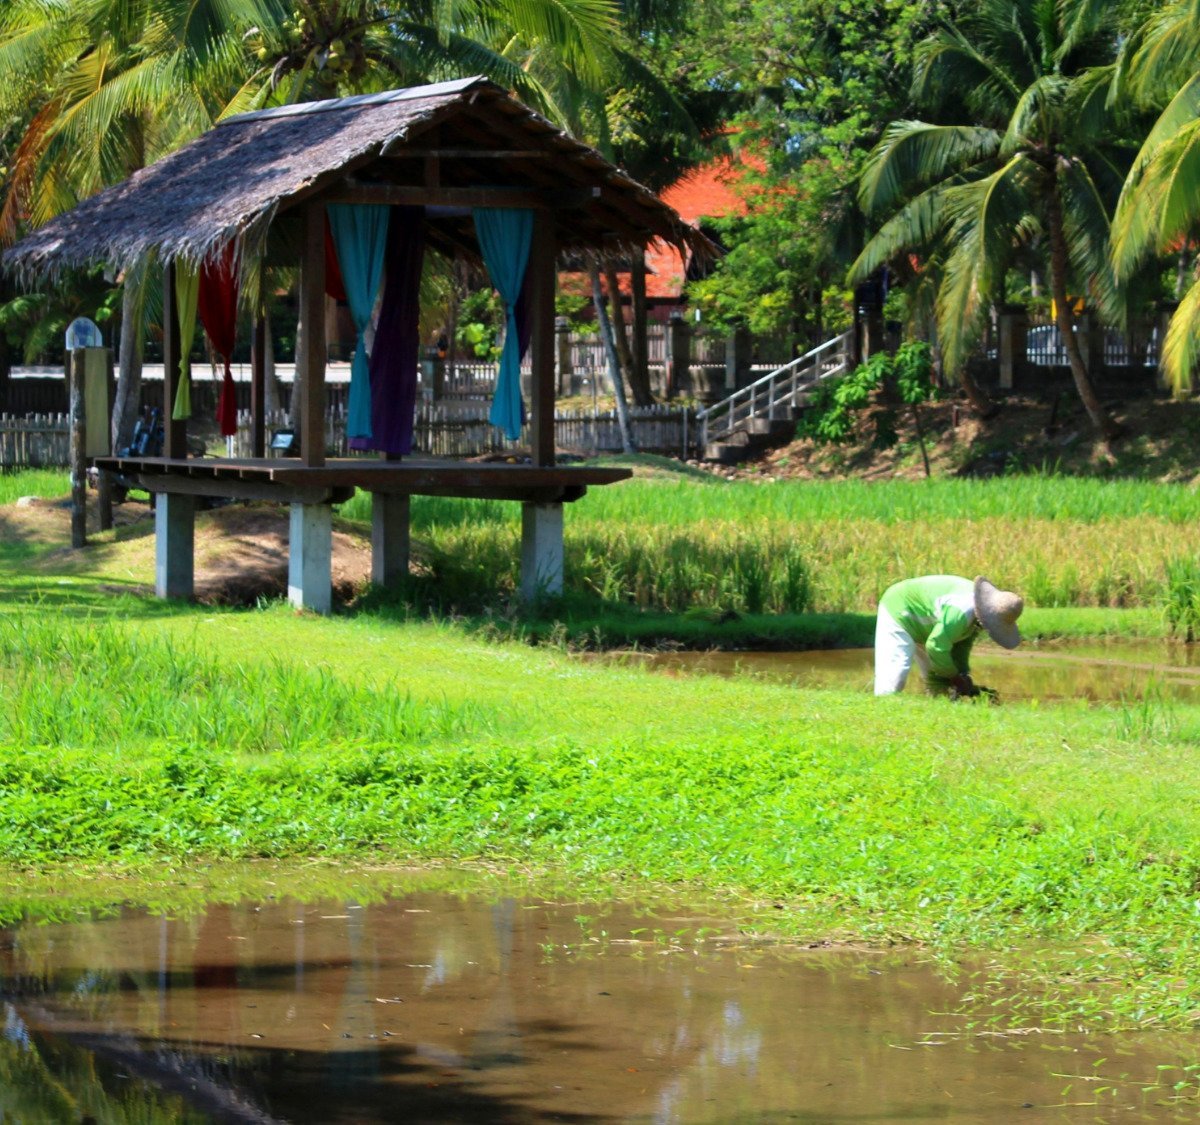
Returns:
<point x="360" y="237"/>
<point x="504" y="237"/>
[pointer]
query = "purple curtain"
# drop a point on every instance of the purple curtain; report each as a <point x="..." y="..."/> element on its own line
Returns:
<point x="397" y="337"/>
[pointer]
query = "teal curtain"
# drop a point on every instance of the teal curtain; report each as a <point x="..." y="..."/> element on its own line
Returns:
<point x="504" y="237"/>
<point x="360" y="237"/>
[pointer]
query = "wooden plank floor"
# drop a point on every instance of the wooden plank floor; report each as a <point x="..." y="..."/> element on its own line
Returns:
<point x="484" y="480"/>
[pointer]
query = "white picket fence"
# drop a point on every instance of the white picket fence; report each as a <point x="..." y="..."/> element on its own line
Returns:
<point x="461" y="429"/>
<point x="35" y="441"/>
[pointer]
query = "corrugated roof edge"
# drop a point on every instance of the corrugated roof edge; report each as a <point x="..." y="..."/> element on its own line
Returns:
<point x="300" y="109"/>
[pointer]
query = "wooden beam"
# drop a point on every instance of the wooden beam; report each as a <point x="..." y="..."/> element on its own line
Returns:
<point x="174" y="433"/>
<point x="542" y="254"/>
<point x="360" y="191"/>
<point x="469" y="154"/>
<point x="170" y="483"/>
<point x="310" y="366"/>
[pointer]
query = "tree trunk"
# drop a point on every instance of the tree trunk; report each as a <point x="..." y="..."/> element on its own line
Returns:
<point x="614" y="366"/>
<point x="6" y="353"/>
<point x="1105" y="424"/>
<point x="981" y="404"/>
<point x="127" y="401"/>
<point x="641" y="395"/>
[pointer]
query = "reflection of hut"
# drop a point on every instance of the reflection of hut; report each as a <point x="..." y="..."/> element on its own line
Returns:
<point x="443" y="163"/>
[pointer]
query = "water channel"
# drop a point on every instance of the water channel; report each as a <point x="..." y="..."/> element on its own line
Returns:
<point x="1111" y="671"/>
<point x="486" y="1003"/>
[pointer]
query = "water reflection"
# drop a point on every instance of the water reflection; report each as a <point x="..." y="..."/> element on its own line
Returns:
<point x="429" y="1007"/>
<point x="1114" y="671"/>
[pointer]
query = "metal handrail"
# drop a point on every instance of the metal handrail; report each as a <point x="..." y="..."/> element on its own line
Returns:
<point x="789" y="375"/>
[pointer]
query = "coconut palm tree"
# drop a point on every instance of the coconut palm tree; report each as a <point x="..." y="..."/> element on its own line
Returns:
<point x="1032" y="165"/>
<point x="118" y="83"/>
<point x="109" y="86"/>
<point x="1159" y="209"/>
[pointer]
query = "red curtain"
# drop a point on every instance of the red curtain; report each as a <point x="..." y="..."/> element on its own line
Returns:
<point x="335" y="287"/>
<point x="217" y="305"/>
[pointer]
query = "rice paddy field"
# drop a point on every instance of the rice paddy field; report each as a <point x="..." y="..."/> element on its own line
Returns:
<point x="1059" y="842"/>
<point x="829" y="547"/>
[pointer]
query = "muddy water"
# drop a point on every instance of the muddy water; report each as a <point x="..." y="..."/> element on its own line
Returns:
<point x="435" y="1007"/>
<point x="1113" y="671"/>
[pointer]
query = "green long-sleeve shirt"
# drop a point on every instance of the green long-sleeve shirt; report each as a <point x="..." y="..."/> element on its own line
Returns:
<point x="937" y="611"/>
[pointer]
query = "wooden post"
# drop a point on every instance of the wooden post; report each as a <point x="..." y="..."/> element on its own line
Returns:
<point x="258" y="383"/>
<point x="310" y="366"/>
<point x="542" y="255"/>
<point x="75" y="361"/>
<point x="174" y="433"/>
<point x="641" y="340"/>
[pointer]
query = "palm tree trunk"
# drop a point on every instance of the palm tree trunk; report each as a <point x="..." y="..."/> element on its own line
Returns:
<point x="641" y="395"/>
<point x="1065" y="319"/>
<point x="127" y="401"/>
<point x="614" y="366"/>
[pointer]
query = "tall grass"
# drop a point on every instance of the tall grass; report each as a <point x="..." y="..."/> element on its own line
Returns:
<point x="33" y="482"/>
<point x="97" y="685"/>
<point x="684" y="502"/>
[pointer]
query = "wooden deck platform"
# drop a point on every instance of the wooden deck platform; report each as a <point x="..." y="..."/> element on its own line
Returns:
<point x="289" y="481"/>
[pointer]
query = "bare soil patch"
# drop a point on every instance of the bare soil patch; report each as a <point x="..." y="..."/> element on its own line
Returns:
<point x="241" y="550"/>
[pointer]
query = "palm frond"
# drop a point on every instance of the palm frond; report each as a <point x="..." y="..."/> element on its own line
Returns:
<point x="911" y="154"/>
<point x="1162" y="205"/>
<point x="1033" y="118"/>
<point x="917" y="226"/>
<point x="1086" y="222"/>
<point x="990" y="219"/>
<point x="1167" y="51"/>
<point x="1181" y="346"/>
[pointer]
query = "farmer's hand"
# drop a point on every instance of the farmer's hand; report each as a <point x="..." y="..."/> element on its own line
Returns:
<point x="964" y="687"/>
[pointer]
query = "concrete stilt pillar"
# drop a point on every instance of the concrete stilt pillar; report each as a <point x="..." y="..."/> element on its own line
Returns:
<point x="541" y="551"/>
<point x="389" y="539"/>
<point x="174" y="543"/>
<point x="310" y="557"/>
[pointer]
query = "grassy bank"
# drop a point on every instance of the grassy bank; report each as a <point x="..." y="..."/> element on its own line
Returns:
<point x="993" y="827"/>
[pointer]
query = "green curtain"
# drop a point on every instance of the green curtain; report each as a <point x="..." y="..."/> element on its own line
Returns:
<point x="187" y="283"/>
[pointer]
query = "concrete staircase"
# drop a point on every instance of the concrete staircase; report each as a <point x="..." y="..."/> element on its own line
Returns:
<point x="763" y="415"/>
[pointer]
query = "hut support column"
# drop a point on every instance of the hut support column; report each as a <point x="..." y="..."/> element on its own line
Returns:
<point x="174" y="543"/>
<point x="310" y="557"/>
<point x="541" y="551"/>
<point x="174" y="432"/>
<point x="258" y="380"/>
<point x="542" y="253"/>
<point x="389" y="539"/>
<point x="310" y="365"/>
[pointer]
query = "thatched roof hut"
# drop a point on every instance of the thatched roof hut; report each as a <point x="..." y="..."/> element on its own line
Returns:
<point x="444" y="162"/>
<point x="445" y="142"/>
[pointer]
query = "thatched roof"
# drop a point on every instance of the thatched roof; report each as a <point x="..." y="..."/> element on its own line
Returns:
<point x="236" y="178"/>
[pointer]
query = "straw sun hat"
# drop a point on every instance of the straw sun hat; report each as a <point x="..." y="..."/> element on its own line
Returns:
<point x="998" y="611"/>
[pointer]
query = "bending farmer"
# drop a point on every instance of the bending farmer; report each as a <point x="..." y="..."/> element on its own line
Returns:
<point x="936" y="620"/>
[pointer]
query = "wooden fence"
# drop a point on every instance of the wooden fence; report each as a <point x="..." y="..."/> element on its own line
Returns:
<point x="461" y="429"/>
<point x="36" y="441"/>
